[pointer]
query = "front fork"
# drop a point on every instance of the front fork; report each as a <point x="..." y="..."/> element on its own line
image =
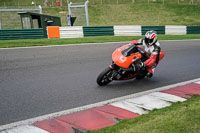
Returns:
<point x="114" y="66"/>
<point x="117" y="72"/>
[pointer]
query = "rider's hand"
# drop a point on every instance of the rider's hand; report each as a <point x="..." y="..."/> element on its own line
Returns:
<point x="141" y="65"/>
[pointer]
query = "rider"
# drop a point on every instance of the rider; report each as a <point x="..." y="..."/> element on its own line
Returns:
<point x="150" y="45"/>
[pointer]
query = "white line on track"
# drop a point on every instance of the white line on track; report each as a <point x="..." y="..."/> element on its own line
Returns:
<point x="48" y="116"/>
<point x="66" y="45"/>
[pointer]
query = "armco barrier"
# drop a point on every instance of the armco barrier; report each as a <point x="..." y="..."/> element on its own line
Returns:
<point x="132" y="30"/>
<point x="175" y="30"/>
<point x="71" y="32"/>
<point x="127" y="30"/>
<point x="98" y="30"/>
<point x="193" y="29"/>
<point x="22" y="34"/>
<point x="159" y="29"/>
<point x="79" y="31"/>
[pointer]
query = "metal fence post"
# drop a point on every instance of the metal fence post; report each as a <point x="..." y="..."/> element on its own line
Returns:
<point x="40" y="7"/>
<point x="69" y="14"/>
<point x="69" y="9"/>
<point x="77" y="5"/>
<point x="86" y="12"/>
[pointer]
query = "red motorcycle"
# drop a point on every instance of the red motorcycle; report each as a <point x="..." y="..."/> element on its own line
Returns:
<point x="125" y="65"/>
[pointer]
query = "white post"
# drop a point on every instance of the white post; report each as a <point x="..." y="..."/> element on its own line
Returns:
<point x="69" y="9"/>
<point x="40" y="7"/>
<point x="86" y="12"/>
<point x="69" y="14"/>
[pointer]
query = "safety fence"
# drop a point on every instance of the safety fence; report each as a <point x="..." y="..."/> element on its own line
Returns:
<point x="79" y="31"/>
<point x="176" y="30"/>
<point x="72" y="32"/>
<point x="159" y="29"/>
<point x="127" y="30"/>
<point x="193" y="29"/>
<point x="98" y="30"/>
<point x="22" y="34"/>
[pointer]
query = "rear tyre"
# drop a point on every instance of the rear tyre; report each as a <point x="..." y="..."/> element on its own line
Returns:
<point x="141" y="75"/>
<point x="105" y="77"/>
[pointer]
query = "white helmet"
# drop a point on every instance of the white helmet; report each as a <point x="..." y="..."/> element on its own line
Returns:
<point x="150" y="37"/>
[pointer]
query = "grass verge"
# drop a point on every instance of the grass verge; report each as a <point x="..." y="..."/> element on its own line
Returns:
<point x="98" y="39"/>
<point x="178" y="118"/>
<point x="114" y="12"/>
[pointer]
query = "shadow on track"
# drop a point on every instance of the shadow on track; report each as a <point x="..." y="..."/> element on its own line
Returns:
<point x="132" y="84"/>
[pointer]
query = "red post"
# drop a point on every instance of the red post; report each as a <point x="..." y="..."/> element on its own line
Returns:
<point x="58" y="3"/>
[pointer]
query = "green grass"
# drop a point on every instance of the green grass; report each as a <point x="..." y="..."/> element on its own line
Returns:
<point x="108" y="12"/>
<point x="144" y="14"/>
<point x="178" y="118"/>
<point x="98" y="39"/>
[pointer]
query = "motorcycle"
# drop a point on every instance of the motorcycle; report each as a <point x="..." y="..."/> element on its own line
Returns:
<point x="126" y="64"/>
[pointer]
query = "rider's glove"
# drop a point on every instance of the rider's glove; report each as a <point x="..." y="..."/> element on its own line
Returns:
<point x="141" y="65"/>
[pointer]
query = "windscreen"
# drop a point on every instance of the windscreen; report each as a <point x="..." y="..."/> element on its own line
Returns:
<point x="129" y="50"/>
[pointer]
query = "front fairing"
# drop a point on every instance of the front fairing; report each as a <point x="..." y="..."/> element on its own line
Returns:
<point x="124" y="60"/>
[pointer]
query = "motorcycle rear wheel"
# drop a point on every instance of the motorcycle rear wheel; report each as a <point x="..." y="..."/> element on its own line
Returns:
<point x="104" y="77"/>
<point x="141" y="75"/>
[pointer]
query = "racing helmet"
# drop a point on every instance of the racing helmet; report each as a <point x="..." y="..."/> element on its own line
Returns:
<point x="150" y="37"/>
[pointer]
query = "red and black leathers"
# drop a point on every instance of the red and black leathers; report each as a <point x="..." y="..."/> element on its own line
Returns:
<point x="152" y="53"/>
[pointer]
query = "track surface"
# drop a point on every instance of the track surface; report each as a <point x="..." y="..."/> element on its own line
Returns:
<point x="39" y="81"/>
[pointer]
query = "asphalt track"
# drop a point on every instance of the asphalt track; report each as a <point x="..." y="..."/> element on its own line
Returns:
<point x="39" y="81"/>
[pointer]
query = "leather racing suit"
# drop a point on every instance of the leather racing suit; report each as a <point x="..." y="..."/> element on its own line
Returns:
<point x="152" y="53"/>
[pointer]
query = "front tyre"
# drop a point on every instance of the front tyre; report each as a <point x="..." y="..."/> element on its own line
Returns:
<point x="105" y="77"/>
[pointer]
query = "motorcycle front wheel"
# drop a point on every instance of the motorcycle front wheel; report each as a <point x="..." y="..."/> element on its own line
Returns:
<point x="105" y="77"/>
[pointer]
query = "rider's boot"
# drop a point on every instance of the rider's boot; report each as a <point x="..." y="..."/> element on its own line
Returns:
<point x="149" y="75"/>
